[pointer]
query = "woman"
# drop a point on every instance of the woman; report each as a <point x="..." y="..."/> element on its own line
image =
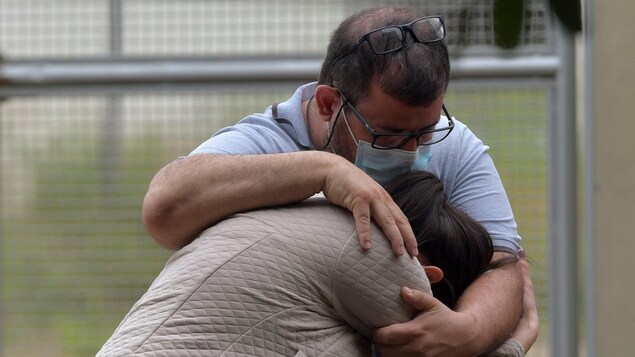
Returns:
<point x="293" y="281"/>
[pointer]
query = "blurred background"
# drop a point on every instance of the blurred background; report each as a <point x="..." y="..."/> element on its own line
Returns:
<point x="96" y="96"/>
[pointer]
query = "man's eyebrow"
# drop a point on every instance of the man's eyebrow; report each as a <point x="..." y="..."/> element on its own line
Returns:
<point x="396" y="130"/>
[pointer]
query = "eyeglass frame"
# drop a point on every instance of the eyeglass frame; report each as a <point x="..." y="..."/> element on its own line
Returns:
<point x="402" y="28"/>
<point x="407" y="135"/>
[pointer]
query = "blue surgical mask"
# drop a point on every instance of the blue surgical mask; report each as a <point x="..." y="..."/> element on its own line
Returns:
<point x="383" y="165"/>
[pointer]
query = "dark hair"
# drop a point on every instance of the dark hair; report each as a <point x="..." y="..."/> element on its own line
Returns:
<point x="415" y="75"/>
<point x="446" y="237"/>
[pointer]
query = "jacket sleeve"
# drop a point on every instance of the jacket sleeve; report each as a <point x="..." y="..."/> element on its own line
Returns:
<point x="367" y="284"/>
<point x="511" y="348"/>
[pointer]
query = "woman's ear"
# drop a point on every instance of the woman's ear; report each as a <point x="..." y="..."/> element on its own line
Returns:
<point x="434" y="273"/>
<point x="328" y="100"/>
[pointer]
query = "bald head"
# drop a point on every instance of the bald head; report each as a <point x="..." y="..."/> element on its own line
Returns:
<point x="415" y="75"/>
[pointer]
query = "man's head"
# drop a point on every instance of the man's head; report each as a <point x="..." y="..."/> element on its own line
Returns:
<point x="384" y="76"/>
<point x="416" y="75"/>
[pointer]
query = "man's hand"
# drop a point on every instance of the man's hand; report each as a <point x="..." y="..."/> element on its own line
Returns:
<point x="436" y="331"/>
<point x="486" y="314"/>
<point x="349" y="187"/>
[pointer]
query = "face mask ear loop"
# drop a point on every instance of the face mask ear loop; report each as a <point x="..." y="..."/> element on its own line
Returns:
<point x="330" y="143"/>
<point x="350" y="131"/>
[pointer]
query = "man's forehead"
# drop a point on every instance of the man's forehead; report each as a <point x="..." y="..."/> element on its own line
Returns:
<point x="396" y="121"/>
<point x="386" y="113"/>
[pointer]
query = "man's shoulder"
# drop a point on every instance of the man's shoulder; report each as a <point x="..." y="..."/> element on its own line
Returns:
<point x="280" y="128"/>
<point x="459" y="135"/>
<point x="461" y="142"/>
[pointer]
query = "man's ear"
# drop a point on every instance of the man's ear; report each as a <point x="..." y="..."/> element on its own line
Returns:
<point x="328" y="100"/>
<point x="434" y="273"/>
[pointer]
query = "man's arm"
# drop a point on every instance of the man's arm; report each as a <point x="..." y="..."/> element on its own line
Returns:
<point x="485" y="316"/>
<point x="495" y="300"/>
<point x="191" y="194"/>
<point x="188" y="195"/>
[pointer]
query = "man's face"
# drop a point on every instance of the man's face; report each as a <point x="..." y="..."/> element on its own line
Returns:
<point x="384" y="114"/>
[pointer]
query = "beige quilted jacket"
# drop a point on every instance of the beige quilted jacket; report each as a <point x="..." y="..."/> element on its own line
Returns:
<point x="289" y="281"/>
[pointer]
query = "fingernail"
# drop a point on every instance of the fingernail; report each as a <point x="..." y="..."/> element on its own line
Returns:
<point x="521" y="253"/>
<point x="407" y="290"/>
<point x="366" y="244"/>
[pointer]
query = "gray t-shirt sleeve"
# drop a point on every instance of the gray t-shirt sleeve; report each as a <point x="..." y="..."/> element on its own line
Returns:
<point x="473" y="184"/>
<point x="255" y="134"/>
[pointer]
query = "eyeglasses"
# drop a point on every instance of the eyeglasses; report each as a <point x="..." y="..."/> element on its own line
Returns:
<point x="394" y="140"/>
<point x="393" y="38"/>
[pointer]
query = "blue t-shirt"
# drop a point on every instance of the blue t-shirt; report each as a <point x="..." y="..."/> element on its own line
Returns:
<point x="461" y="161"/>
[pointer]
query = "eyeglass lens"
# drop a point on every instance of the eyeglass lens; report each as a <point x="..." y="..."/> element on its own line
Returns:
<point x="392" y="141"/>
<point x="392" y="38"/>
<point x="428" y="30"/>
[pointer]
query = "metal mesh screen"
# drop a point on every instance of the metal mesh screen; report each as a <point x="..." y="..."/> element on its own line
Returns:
<point x="512" y="120"/>
<point x="76" y="28"/>
<point x="74" y="168"/>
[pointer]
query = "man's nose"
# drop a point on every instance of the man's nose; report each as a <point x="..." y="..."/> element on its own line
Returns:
<point x="411" y="144"/>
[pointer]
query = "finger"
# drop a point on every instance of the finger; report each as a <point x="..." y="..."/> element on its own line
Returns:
<point x="396" y="334"/>
<point x="529" y="298"/>
<point x="419" y="300"/>
<point x="361" y="214"/>
<point x="524" y="268"/>
<point x="385" y="220"/>
<point x="403" y="333"/>
<point x="408" y="236"/>
<point x="528" y="327"/>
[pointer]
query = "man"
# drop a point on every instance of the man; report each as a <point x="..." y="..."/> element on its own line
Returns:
<point x="375" y="111"/>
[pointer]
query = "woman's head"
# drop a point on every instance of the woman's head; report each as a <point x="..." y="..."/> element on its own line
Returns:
<point x="446" y="237"/>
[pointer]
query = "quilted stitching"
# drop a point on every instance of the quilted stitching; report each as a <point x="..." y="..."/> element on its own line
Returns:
<point x="279" y="282"/>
